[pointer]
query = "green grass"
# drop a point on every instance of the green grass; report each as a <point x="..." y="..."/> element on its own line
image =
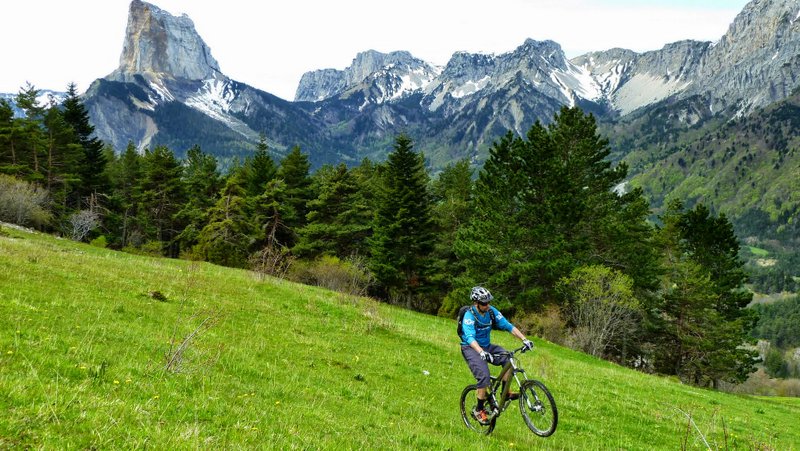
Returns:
<point x="757" y="251"/>
<point x="285" y="366"/>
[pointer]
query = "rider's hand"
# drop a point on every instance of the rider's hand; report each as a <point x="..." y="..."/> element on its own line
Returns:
<point x="527" y="344"/>
<point x="487" y="357"/>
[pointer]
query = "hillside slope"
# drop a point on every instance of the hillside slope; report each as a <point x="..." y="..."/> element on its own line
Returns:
<point x="86" y="334"/>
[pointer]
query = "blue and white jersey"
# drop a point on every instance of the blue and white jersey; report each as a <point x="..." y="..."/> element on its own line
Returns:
<point x="477" y="327"/>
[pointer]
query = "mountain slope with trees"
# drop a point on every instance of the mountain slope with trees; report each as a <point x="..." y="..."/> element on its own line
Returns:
<point x="543" y="209"/>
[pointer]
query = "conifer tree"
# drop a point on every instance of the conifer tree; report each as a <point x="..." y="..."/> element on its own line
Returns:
<point x="203" y="184"/>
<point x="271" y="211"/>
<point x="403" y="232"/>
<point x="451" y="192"/>
<point x="547" y="205"/>
<point x="699" y="321"/>
<point x="294" y="172"/>
<point x="162" y="195"/>
<point x="126" y="176"/>
<point x="226" y="239"/>
<point x="8" y="157"/>
<point x="93" y="160"/>
<point x="61" y="163"/>
<point x="28" y="135"/>
<point x="259" y="169"/>
<point x="338" y="219"/>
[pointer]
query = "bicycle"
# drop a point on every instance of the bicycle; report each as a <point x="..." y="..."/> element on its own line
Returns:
<point x="536" y="404"/>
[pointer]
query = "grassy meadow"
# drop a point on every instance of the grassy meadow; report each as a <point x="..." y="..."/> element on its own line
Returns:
<point x="107" y="350"/>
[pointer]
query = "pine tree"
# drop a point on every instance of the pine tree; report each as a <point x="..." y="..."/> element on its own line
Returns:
<point x="338" y="219"/>
<point x="93" y="160"/>
<point x="259" y="169"/>
<point x="8" y="156"/>
<point x="294" y="172"/>
<point x="404" y="232"/>
<point x="162" y="195"/>
<point x="203" y="183"/>
<point x="698" y="322"/>
<point x="451" y="192"/>
<point x="126" y="175"/>
<point x="547" y="205"/>
<point x="226" y="239"/>
<point x="28" y="135"/>
<point x="61" y="163"/>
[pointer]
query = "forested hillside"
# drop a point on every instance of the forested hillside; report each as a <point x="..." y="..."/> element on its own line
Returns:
<point x="747" y="168"/>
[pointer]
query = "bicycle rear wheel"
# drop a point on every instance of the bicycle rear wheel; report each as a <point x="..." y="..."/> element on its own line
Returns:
<point x="469" y="400"/>
<point x="538" y="408"/>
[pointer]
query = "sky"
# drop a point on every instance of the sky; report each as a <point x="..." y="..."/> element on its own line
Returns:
<point x="269" y="45"/>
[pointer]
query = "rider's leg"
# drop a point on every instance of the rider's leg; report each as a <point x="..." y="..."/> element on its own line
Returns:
<point x="479" y="369"/>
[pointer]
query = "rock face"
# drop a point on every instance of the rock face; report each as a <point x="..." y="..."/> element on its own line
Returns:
<point x="393" y="74"/>
<point x="169" y="90"/>
<point x="757" y="61"/>
<point x="159" y="45"/>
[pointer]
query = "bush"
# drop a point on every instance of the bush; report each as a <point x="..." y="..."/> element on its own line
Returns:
<point x="23" y="203"/>
<point x="350" y="276"/>
<point x="100" y="241"/>
<point x="602" y="306"/>
<point x="548" y="324"/>
<point x="272" y="260"/>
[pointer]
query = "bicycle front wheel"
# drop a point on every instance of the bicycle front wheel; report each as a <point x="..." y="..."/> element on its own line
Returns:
<point x="538" y="408"/>
<point x="469" y="401"/>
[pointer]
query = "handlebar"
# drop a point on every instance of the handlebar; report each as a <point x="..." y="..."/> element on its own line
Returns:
<point x="521" y="349"/>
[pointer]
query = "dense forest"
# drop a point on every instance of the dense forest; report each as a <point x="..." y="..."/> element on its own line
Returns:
<point x="542" y="224"/>
<point x="777" y="324"/>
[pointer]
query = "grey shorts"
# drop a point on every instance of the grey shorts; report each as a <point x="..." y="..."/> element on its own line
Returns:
<point x="479" y="367"/>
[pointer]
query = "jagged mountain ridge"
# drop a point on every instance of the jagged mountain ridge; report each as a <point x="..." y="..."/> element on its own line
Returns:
<point x="453" y="112"/>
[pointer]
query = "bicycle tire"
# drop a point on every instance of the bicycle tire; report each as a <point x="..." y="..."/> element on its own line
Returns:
<point x="538" y="408"/>
<point x="469" y="399"/>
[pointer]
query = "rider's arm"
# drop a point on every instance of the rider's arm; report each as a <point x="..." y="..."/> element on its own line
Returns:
<point x="468" y="326"/>
<point x="515" y="332"/>
<point x="505" y="324"/>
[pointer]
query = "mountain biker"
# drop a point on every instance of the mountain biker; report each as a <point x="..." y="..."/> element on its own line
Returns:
<point x="477" y="349"/>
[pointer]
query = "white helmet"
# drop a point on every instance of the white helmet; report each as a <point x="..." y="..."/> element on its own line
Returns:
<point x="481" y="295"/>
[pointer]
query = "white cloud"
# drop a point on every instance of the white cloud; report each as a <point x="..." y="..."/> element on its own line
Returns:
<point x="269" y="45"/>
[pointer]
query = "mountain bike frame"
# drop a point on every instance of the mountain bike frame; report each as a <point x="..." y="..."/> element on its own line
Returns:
<point x="499" y="406"/>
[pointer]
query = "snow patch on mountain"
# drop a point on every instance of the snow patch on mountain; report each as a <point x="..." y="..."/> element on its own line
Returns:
<point x="161" y="90"/>
<point x="611" y="79"/>
<point x="577" y="81"/>
<point x="470" y="87"/>
<point x="214" y="99"/>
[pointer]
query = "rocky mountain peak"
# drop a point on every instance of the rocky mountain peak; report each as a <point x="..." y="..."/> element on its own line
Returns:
<point x="159" y="45"/>
<point x="403" y="71"/>
<point x="755" y="62"/>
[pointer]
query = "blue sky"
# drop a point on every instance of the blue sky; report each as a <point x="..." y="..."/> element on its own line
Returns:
<point x="269" y="45"/>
